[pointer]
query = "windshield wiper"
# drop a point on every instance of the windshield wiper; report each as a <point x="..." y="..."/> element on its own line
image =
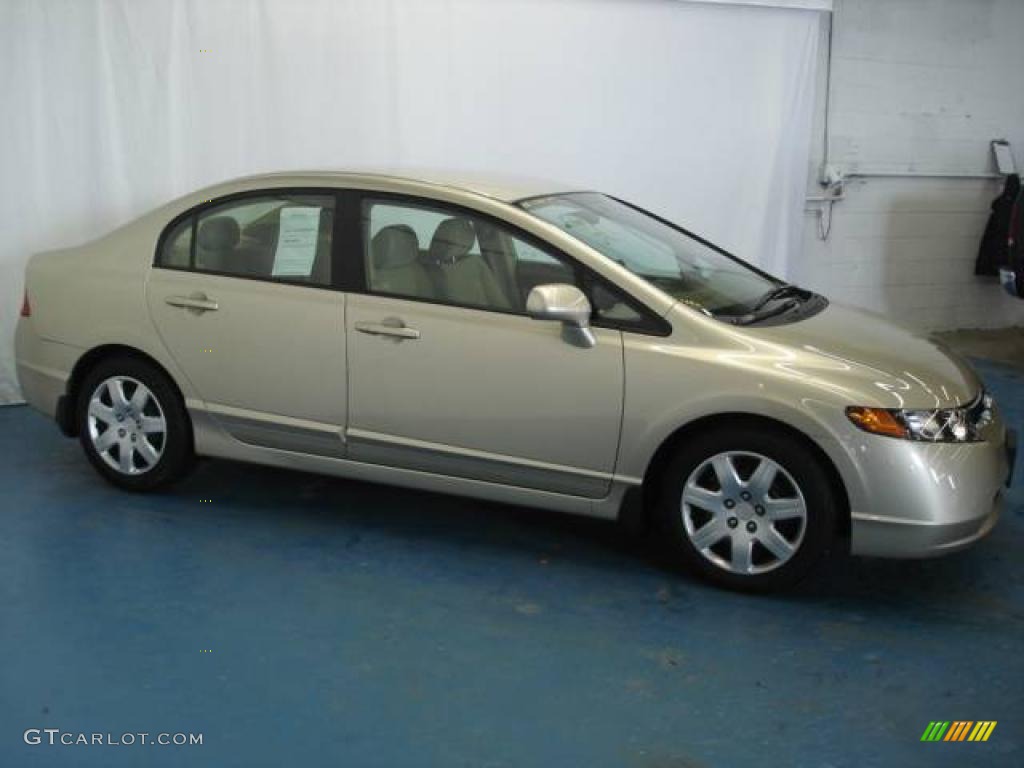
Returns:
<point x="780" y="292"/>
<point x="761" y="311"/>
<point x="754" y="317"/>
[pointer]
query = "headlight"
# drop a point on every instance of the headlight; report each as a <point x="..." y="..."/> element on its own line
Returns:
<point x="937" y="425"/>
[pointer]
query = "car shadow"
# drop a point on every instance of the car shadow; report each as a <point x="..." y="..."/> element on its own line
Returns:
<point x="968" y="587"/>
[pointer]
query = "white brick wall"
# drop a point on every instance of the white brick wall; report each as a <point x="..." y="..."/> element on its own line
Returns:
<point x="917" y="86"/>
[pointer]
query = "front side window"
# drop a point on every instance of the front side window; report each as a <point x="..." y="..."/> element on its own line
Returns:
<point x="676" y="263"/>
<point x="273" y="237"/>
<point x="435" y="254"/>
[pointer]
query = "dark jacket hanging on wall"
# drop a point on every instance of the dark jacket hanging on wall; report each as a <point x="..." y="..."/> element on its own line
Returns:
<point x="996" y="242"/>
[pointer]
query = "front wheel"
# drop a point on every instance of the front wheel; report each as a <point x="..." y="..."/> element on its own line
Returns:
<point x="748" y="508"/>
<point x="133" y="425"/>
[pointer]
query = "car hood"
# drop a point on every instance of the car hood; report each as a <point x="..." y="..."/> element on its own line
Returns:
<point x="890" y="365"/>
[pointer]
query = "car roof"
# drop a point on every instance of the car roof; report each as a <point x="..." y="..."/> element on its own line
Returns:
<point x="507" y="188"/>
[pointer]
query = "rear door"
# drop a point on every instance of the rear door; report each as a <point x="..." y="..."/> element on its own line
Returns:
<point x="242" y="297"/>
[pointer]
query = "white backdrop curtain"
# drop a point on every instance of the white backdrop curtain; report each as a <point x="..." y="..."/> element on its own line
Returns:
<point x="700" y="112"/>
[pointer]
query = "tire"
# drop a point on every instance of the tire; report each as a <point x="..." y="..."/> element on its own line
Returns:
<point x="761" y="543"/>
<point x="151" y="423"/>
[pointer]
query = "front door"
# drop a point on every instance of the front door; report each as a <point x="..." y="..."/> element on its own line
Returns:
<point x="448" y="375"/>
<point x="248" y="313"/>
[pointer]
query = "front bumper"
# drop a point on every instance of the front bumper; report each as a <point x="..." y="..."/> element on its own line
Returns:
<point x="929" y="499"/>
<point x="881" y="537"/>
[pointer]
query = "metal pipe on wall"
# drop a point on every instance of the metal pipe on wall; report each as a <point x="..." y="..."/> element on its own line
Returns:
<point x="868" y="173"/>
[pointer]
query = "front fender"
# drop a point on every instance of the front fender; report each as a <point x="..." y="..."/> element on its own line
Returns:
<point x="669" y="388"/>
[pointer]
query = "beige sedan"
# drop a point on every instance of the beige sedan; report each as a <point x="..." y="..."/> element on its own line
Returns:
<point x="517" y="342"/>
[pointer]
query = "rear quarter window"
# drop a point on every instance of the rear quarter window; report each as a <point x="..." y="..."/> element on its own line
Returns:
<point x="177" y="246"/>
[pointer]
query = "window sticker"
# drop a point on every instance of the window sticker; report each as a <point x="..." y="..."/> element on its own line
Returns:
<point x="296" y="242"/>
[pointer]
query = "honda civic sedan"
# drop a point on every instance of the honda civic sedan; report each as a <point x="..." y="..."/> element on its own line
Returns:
<point x="514" y="341"/>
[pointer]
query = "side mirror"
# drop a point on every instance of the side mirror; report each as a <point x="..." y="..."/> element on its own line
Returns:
<point x="566" y="304"/>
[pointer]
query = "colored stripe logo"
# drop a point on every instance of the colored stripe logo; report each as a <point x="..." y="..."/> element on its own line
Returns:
<point x="959" y="730"/>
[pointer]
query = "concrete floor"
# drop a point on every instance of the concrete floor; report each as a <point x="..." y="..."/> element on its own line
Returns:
<point x="1001" y="345"/>
<point x="350" y="624"/>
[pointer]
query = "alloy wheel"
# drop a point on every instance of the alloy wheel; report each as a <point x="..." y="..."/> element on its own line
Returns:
<point x="743" y="512"/>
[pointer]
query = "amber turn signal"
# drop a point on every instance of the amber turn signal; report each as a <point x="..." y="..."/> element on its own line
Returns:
<point x="878" y="421"/>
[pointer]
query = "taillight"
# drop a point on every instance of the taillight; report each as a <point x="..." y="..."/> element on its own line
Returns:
<point x="26" y="308"/>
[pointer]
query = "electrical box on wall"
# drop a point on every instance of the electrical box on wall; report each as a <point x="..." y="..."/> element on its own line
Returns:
<point x="831" y="176"/>
<point x="1004" y="157"/>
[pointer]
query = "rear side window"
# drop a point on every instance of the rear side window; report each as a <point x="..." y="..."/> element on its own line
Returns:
<point x="271" y="237"/>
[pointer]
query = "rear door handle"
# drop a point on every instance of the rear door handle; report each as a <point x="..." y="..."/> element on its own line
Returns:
<point x="383" y="329"/>
<point x="197" y="302"/>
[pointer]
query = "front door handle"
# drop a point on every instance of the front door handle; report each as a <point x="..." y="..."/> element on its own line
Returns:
<point x="385" y="329"/>
<point x="197" y="302"/>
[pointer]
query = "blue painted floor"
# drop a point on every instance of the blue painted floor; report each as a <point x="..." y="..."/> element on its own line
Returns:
<point x="351" y="624"/>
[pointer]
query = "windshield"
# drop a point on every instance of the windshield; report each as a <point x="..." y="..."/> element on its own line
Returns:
<point x="675" y="262"/>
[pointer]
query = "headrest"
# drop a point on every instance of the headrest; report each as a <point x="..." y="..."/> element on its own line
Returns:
<point x="452" y="241"/>
<point x="219" y="233"/>
<point x="395" y="246"/>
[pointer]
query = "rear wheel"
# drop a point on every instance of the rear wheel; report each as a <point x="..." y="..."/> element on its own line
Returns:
<point x="133" y="425"/>
<point x="748" y="508"/>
